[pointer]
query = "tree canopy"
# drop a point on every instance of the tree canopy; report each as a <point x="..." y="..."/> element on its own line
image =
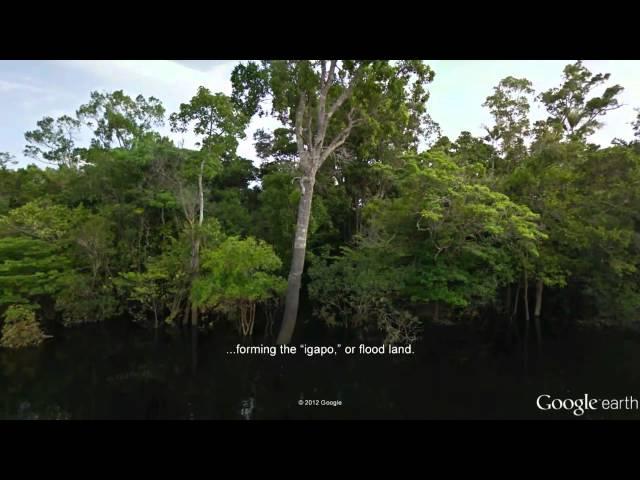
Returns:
<point x="358" y="206"/>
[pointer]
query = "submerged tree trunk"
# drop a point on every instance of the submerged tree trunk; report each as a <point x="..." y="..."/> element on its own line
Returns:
<point x="537" y="311"/>
<point x="253" y="317"/>
<point x="526" y="317"/>
<point x="297" y="264"/>
<point x="155" y="316"/>
<point x="194" y="316"/>
<point x="194" y="349"/>
<point x="155" y="336"/>
<point x="513" y="328"/>
<point x="175" y="310"/>
<point x="185" y="318"/>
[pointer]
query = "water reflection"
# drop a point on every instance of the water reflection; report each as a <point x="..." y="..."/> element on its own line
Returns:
<point x="120" y="372"/>
<point x="26" y="411"/>
<point x="247" y="407"/>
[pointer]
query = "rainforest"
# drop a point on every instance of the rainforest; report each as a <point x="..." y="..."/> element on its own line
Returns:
<point x="506" y="263"/>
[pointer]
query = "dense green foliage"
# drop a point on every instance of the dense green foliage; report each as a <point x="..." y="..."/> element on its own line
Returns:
<point x="20" y="328"/>
<point x="237" y="275"/>
<point x="399" y="235"/>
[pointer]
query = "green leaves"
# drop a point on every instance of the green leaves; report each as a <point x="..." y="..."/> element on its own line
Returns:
<point x="46" y="252"/>
<point x="447" y="228"/>
<point x="151" y="289"/>
<point x="214" y="117"/>
<point x="362" y="288"/>
<point x="570" y="109"/>
<point x="41" y="219"/>
<point x="30" y="268"/>
<point x="6" y="159"/>
<point x="21" y="328"/>
<point x="509" y="106"/>
<point x="250" y="84"/>
<point x="235" y="271"/>
<point x="588" y="205"/>
<point x="463" y="228"/>
<point x="116" y="115"/>
<point x="54" y="141"/>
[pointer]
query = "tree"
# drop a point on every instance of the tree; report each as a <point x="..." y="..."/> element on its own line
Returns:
<point x="362" y="288"/>
<point x="149" y="289"/>
<point x="54" y="141"/>
<point x="280" y="146"/>
<point x="442" y="239"/>
<point x="164" y="284"/>
<point x="94" y="239"/>
<point x="509" y="107"/>
<point x="42" y="220"/>
<point x="572" y="112"/>
<point x="33" y="250"/>
<point x="472" y="151"/>
<point x="274" y="219"/>
<point x="88" y="292"/>
<point x="636" y="124"/>
<point x="56" y="253"/>
<point x="387" y="235"/>
<point x="607" y="218"/>
<point x="30" y="269"/>
<point x="546" y="183"/>
<point x="219" y="123"/>
<point x="231" y="198"/>
<point x="21" y="328"/>
<point x="322" y="102"/>
<point x="6" y="178"/>
<point x="6" y="159"/>
<point x="118" y="115"/>
<point x="462" y="238"/>
<point x="237" y="275"/>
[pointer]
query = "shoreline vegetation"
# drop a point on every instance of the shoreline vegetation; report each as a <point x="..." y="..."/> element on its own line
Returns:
<point x="519" y="232"/>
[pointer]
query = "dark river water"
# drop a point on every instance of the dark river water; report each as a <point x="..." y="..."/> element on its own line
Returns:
<point x="119" y="371"/>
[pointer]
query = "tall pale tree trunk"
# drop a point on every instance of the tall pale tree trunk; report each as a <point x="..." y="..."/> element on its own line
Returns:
<point x="201" y="193"/>
<point x="196" y="241"/>
<point x="297" y="265"/>
<point x="311" y="125"/>
<point x="195" y="269"/>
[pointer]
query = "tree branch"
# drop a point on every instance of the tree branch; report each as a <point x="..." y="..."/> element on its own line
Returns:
<point x="309" y="132"/>
<point x="322" y="102"/>
<point x="339" y="140"/>
<point x="346" y="93"/>
<point x="299" y="120"/>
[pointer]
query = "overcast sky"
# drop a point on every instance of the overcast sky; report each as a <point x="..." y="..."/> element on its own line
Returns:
<point x="30" y="90"/>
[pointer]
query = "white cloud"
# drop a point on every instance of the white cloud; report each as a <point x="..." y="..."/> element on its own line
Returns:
<point x="157" y="75"/>
<point x="7" y="86"/>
